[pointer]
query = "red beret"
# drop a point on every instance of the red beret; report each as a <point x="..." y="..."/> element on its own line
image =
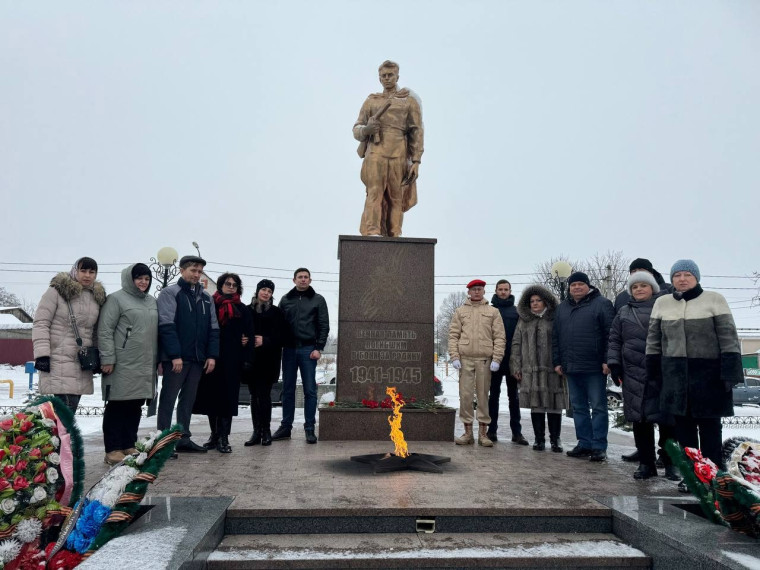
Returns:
<point x="476" y="283"/>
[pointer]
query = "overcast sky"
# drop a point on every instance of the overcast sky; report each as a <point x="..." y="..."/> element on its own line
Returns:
<point x="551" y="127"/>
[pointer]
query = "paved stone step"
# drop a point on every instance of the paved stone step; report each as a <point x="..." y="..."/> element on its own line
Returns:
<point x="596" y="519"/>
<point x="436" y="550"/>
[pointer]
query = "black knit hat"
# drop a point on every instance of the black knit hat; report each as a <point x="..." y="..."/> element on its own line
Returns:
<point x="140" y="269"/>
<point x="578" y="276"/>
<point x="641" y="263"/>
<point x="264" y="283"/>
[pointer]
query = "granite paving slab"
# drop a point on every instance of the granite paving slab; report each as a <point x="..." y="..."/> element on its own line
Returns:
<point x="291" y="477"/>
<point x="676" y="538"/>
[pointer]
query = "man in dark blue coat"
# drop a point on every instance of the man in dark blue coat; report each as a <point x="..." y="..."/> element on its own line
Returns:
<point x="505" y="302"/>
<point x="579" y="351"/>
<point x="188" y="335"/>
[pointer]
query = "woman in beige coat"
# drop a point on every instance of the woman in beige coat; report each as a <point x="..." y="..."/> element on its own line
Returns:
<point x="55" y="346"/>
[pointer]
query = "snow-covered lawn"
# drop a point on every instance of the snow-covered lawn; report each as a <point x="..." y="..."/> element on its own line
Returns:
<point x="93" y="424"/>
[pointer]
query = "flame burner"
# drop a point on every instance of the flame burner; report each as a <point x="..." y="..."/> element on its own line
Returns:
<point x="387" y="462"/>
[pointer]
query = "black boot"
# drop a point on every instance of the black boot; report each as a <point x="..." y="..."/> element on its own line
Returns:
<point x="645" y="471"/>
<point x="539" y="430"/>
<point x="224" y="424"/>
<point x="555" y="427"/>
<point x="213" y="439"/>
<point x="266" y="436"/>
<point x="256" y="438"/>
<point x="281" y="433"/>
<point x="631" y="457"/>
<point x="671" y="471"/>
<point x="224" y="445"/>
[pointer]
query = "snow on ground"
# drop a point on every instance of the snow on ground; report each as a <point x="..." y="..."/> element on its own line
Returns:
<point x="747" y="560"/>
<point x="149" y="549"/>
<point x="93" y="424"/>
<point x="585" y="549"/>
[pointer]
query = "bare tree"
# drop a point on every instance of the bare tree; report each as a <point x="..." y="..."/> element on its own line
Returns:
<point x="29" y="306"/>
<point x="8" y="299"/>
<point x="450" y="303"/>
<point x="756" y="278"/>
<point x="608" y="271"/>
<point x="543" y="272"/>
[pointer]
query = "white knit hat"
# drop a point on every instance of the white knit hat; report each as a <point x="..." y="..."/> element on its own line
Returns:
<point x="643" y="277"/>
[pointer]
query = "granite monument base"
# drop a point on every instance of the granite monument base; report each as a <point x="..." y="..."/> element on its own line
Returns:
<point x="371" y="424"/>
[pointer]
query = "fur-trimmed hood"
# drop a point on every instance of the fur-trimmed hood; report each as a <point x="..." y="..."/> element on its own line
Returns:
<point x="68" y="288"/>
<point x="523" y="305"/>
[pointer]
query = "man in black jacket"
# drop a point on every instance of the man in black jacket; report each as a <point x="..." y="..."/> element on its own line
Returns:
<point x="579" y="351"/>
<point x="505" y="302"/>
<point x="306" y="313"/>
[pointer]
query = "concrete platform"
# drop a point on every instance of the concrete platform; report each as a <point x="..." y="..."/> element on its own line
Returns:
<point x="292" y="491"/>
<point x="292" y="478"/>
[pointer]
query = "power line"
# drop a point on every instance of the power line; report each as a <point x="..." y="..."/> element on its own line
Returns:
<point x="290" y="269"/>
<point x="3" y="270"/>
<point x="48" y="271"/>
<point x="56" y="264"/>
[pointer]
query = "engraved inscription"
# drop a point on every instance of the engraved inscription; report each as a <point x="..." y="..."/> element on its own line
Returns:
<point x="382" y="356"/>
<point x="394" y="356"/>
<point x="386" y="334"/>
<point x="386" y="374"/>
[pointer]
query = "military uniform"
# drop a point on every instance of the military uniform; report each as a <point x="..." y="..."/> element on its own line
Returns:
<point x="387" y="158"/>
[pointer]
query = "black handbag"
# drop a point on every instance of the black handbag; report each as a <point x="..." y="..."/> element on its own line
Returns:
<point x="89" y="356"/>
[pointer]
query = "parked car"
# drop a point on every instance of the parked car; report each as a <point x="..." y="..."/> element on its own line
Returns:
<point x="748" y="392"/>
<point x="614" y="395"/>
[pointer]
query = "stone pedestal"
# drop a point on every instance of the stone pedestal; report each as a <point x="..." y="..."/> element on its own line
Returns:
<point x="385" y="331"/>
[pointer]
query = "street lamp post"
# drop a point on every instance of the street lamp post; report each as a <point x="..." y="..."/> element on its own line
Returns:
<point x="560" y="271"/>
<point x="164" y="267"/>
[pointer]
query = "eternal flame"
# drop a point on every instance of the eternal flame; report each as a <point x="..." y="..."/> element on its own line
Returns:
<point x="390" y="132"/>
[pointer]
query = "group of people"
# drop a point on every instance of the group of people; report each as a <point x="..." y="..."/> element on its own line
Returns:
<point x="204" y="347"/>
<point x="673" y="348"/>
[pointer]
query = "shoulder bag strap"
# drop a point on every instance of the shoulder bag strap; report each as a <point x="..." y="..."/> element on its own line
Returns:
<point x="73" y="320"/>
<point x="638" y="320"/>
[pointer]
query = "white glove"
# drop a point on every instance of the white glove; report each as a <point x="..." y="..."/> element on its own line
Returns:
<point x="494" y="366"/>
<point x="456" y="364"/>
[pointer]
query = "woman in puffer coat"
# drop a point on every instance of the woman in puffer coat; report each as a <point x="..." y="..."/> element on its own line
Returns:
<point x="541" y="388"/>
<point x="626" y="359"/>
<point x="128" y="342"/>
<point x="55" y="347"/>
